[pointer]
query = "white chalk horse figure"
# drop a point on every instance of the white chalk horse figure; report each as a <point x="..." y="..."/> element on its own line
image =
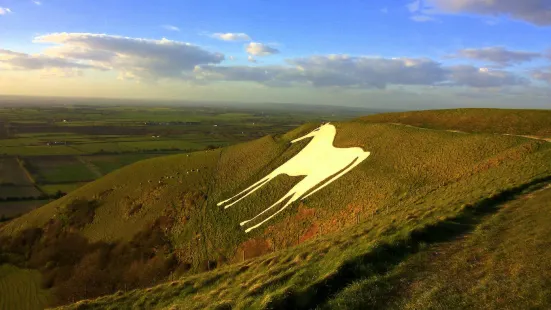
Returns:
<point x="318" y="161"/>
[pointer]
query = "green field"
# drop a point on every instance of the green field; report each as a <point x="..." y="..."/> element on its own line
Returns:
<point x="11" y="173"/>
<point x="59" y="169"/>
<point x="52" y="189"/>
<point x="110" y="163"/>
<point x="15" y="181"/>
<point x="38" y="150"/>
<point x="9" y="209"/>
<point x="9" y="192"/>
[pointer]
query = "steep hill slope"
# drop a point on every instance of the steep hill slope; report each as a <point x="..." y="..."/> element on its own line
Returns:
<point x="504" y="263"/>
<point x="158" y="219"/>
<point x="456" y="263"/>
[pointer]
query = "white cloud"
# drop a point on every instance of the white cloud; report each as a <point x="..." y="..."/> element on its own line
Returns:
<point x="537" y="12"/>
<point x="142" y="58"/>
<point x="259" y="49"/>
<point x="37" y="2"/>
<point x="171" y="28"/>
<point x="4" y="11"/>
<point x="11" y="60"/>
<point x="483" y="77"/>
<point x="264" y="75"/>
<point x="71" y="54"/>
<point x="344" y="71"/>
<point x="498" y="55"/>
<point x="232" y="36"/>
<point x="62" y="72"/>
<point x="4" y="53"/>
<point x="542" y="75"/>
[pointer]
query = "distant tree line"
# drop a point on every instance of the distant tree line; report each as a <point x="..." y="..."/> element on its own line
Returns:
<point x="174" y="149"/>
<point x="56" y="195"/>
<point x="159" y="150"/>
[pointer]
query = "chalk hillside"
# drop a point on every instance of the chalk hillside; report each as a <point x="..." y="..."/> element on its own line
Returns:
<point x="448" y="210"/>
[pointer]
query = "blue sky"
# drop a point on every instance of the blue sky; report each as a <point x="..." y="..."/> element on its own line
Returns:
<point x="496" y="52"/>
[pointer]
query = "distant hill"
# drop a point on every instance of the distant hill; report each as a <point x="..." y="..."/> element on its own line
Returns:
<point x="153" y="231"/>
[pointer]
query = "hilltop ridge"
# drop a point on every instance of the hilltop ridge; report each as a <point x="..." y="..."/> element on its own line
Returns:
<point x="502" y="121"/>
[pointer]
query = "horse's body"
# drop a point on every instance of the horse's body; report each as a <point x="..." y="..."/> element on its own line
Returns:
<point x="318" y="161"/>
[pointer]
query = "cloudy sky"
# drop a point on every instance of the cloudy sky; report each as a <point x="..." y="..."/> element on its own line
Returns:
<point x="396" y="54"/>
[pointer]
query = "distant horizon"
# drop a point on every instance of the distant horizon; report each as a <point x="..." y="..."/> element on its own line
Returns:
<point x="237" y="104"/>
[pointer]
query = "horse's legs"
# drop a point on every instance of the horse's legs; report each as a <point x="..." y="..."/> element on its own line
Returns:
<point x="293" y="199"/>
<point x="251" y="189"/>
<point x="356" y="162"/>
<point x="297" y="190"/>
<point x="270" y="207"/>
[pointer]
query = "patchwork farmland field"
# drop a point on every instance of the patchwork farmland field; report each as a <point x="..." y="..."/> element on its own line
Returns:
<point x="53" y="189"/>
<point x="58" y="169"/>
<point x="11" y="172"/>
<point x="10" y="209"/>
<point x="109" y="163"/>
<point x="14" y="192"/>
<point x="14" y="181"/>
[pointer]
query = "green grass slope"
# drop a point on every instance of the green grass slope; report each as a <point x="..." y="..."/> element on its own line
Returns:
<point x="474" y="259"/>
<point x="20" y="289"/>
<point x="504" y="263"/>
<point x="158" y="219"/>
<point x="505" y="121"/>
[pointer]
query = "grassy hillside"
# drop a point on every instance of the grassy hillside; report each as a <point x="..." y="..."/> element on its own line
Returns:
<point x="20" y="289"/>
<point x="504" y="263"/>
<point x="457" y="262"/>
<point x="157" y="220"/>
<point x="506" y="121"/>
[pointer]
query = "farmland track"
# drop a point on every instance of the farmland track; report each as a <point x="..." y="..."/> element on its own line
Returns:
<point x="93" y="168"/>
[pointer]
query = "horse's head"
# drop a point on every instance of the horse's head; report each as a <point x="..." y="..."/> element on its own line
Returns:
<point x="325" y="128"/>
